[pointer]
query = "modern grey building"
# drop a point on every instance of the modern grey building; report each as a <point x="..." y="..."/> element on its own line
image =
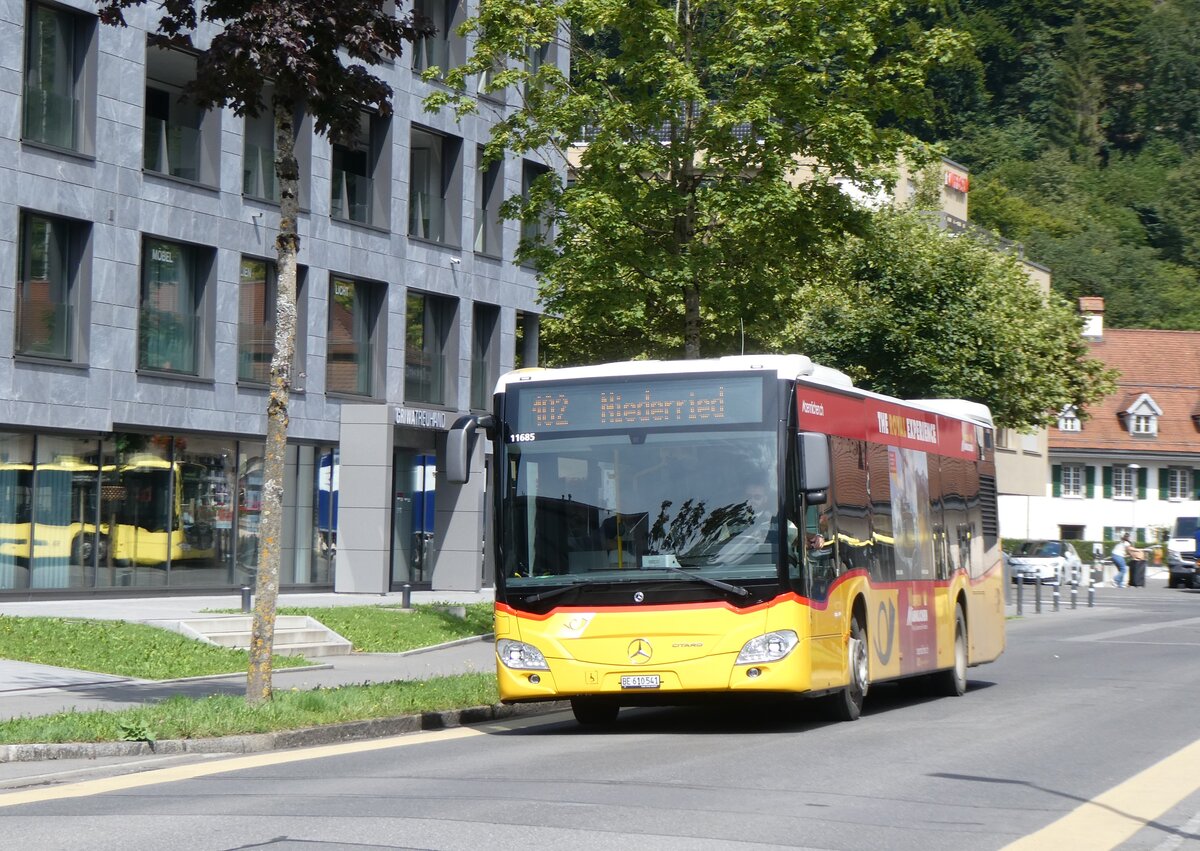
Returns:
<point x="137" y="321"/>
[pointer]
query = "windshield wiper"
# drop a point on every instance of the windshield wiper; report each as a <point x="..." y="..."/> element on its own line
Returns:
<point x="715" y="583"/>
<point x="547" y="595"/>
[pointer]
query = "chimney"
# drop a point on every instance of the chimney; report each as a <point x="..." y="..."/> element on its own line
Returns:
<point x="1092" y="310"/>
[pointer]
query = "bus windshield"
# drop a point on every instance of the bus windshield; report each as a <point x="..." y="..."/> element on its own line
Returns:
<point x="675" y="505"/>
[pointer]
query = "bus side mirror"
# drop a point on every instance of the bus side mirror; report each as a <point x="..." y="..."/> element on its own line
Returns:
<point x="460" y="442"/>
<point x="814" y="464"/>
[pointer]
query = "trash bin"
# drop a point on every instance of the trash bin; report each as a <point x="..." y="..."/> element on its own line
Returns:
<point x="1137" y="573"/>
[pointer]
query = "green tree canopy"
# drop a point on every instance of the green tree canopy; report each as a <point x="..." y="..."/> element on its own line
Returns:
<point x="947" y="316"/>
<point x="685" y="212"/>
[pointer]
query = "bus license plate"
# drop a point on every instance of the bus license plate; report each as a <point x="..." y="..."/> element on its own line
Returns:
<point x="641" y="681"/>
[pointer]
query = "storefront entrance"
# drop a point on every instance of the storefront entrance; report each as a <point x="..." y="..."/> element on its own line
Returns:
<point x="415" y="476"/>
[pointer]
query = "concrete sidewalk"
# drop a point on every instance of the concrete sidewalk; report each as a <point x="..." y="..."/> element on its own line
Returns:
<point x="28" y="689"/>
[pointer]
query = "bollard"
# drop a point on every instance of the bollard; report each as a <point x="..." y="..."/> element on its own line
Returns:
<point x="245" y="599"/>
<point x="1056" y="598"/>
<point x="1037" y="596"/>
<point x="1020" y="596"/>
<point x="406" y="596"/>
<point x="1092" y="594"/>
<point x="1075" y="595"/>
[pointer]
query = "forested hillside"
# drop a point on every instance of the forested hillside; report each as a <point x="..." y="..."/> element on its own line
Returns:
<point x="1080" y="122"/>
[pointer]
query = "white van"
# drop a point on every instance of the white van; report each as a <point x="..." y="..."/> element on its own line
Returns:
<point x="1181" y="554"/>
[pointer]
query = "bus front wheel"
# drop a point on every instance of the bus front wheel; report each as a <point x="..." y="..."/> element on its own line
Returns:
<point x="847" y="704"/>
<point x="594" y="711"/>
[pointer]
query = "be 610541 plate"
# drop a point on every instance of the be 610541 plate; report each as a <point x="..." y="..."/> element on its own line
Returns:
<point x="641" y="681"/>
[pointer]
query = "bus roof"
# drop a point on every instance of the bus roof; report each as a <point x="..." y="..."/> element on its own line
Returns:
<point x="784" y="366"/>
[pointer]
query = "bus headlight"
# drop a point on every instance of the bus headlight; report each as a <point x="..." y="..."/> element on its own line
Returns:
<point x="521" y="656"/>
<point x="768" y="648"/>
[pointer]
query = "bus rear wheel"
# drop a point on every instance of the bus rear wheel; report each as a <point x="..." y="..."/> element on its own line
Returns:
<point x="847" y="704"/>
<point x="953" y="682"/>
<point x="594" y="711"/>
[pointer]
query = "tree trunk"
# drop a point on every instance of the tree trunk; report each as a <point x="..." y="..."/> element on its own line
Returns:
<point x="270" y="545"/>
<point x="691" y="322"/>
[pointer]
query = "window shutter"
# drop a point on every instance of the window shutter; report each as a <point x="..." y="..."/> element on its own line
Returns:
<point x="1090" y="474"/>
<point x="1108" y="535"/>
<point x="1141" y="482"/>
<point x="1056" y="480"/>
<point x="1108" y="483"/>
<point x="1164" y="476"/>
<point x="1195" y="485"/>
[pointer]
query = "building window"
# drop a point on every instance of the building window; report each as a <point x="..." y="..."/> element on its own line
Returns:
<point x="525" y="332"/>
<point x="489" y="194"/>
<point x="1144" y="424"/>
<point x="59" y="75"/>
<point x="445" y="48"/>
<point x="1124" y="482"/>
<point x="354" y="312"/>
<point x="485" y="356"/>
<point x="1072" y="480"/>
<point x="258" y="153"/>
<point x="434" y="208"/>
<point x="536" y="55"/>
<point x="427" y="338"/>
<point x="535" y="227"/>
<point x="1068" y="420"/>
<point x="170" y="324"/>
<point x="181" y="140"/>
<point x="487" y="82"/>
<point x="257" y="292"/>
<point x="52" y="268"/>
<point x="258" y="157"/>
<point x="361" y="174"/>
<point x="1003" y="438"/>
<point x="1179" y="483"/>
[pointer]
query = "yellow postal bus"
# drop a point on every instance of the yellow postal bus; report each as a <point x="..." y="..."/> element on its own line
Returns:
<point x="749" y="525"/>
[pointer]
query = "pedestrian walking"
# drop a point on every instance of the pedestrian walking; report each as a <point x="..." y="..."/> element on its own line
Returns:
<point x="1119" y="553"/>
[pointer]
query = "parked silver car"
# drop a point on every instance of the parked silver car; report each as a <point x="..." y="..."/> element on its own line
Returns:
<point x="1051" y="562"/>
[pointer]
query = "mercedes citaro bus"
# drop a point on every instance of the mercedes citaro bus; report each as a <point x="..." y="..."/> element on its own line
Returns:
<point x="666" y="531"/>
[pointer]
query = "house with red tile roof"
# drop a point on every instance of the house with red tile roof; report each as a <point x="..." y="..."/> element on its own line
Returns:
<point x="1133" y="465"/>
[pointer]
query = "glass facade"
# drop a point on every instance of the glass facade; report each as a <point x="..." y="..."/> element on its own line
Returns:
<point x="153" y="510"/>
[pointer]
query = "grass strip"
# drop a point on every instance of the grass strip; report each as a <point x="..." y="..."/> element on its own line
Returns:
<point x="390" y="629"/>
<point x="227" y="715"/>
<point x="120" y="648"/>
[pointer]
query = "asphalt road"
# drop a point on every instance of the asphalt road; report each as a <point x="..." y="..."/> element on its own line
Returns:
<point x="1082" y="736"/>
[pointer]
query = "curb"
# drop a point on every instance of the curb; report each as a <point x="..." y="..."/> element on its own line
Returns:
<point x="349" y="731"/>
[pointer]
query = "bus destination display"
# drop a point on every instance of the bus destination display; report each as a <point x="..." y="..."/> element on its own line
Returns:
<point x="633" y="403"/>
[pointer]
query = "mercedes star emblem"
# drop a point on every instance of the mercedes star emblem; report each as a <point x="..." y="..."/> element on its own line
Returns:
<point x="638" y="596"/>
<point x="640" y="651"/>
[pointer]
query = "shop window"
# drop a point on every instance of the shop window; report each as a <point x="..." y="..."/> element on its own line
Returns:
<point x="434" y="198"/>
<point x="54" y="266"/>
<point x="354" y="314"/>
<point x="60" y="73"/>
<point x="427" y="345"/>
<point x="485" y="355"/>
<point x="361" y="175"/>
<point x="489" y="194"/>
<point x="172" y="326"/>
<point x="180" y="139"/>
